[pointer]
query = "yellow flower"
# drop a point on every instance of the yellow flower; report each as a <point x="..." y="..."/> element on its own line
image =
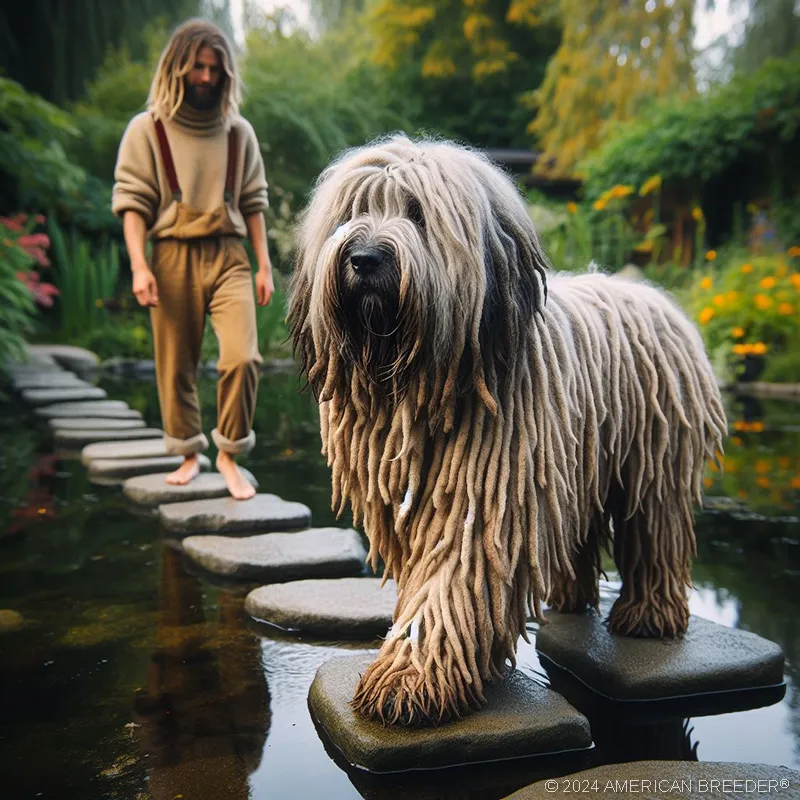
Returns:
<point x="794" y="251"/>
<point x="741" y="350"/>
<point x="768" y="282"/>
<point x="759" y="348"/>
<point x="733" y="296"/>
<point x="621" y="191"/>
<point x="652" y="184"/>
<point x="600" y="204"/>
<point x="752" y="208"/>
<point x="711" y="255"/>
<point x="706" y="283"/>
<point x="737" y="333"/>
<point x="718" y="300"/>
<point x="747" y="268"/>
<point x="98" y="303"/>
<point x="795" y="279"/>
<point x="762" y="302"/>
<point x="648" y="216"/>
<point x="705" y="315"/>
<point x="572" y="208"/>
<point x="697" y="214"/>
<point x="787" y="309"/>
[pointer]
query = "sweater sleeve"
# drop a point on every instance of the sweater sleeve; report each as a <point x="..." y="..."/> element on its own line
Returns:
<point x="135" y="178"/>
<point x="253" y="197"/>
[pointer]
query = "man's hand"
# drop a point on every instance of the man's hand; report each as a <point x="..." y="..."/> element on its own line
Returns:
<point x="264" y="286"/>
<point x="145" y="287"/>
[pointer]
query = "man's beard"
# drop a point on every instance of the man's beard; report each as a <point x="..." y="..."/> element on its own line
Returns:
<point x="202" y="98"/>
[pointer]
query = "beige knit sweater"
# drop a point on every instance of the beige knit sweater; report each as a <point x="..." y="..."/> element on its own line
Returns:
<point x="199" y="144"/>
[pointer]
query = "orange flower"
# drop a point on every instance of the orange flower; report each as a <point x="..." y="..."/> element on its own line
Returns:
<point x="784" y="462"/>
<point x="718" y="300"/>
<point x="795" y="484"/>
<point x="708" y="482"/>
<point x="697" y="214"/>
<point x="795" y="279"/>
<point x="706" y="283"/>
<point x="737" y="333"/>
<point x="757" y="427"/>
<point x="768" y="282"/>
<point x="711" y="255"/>
<point x="762" y="302"/>
<point x="572" y="208"/>
<point x="787" y="309"/>
<point x="794" y="251"/>
<point x="762" y="466"/>
<point x="599" y="205"/>
<point x="763" y="483"/>
<point x="736" y="442"/>
<point x="705" y="315"/>
<point x="759" y="348"/>
<point x="747" y="268"/>
<point x="733" y="296"/>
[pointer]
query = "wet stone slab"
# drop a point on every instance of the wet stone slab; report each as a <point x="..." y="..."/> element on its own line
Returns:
<point x="142" y="448"/>
<point x="709" y="658"/>
<point x="94" y="424"/>
<point x="263" y="513"/>
<point x="68" y="355"/>
<point x="354" y="608"/>
<point x="106" y="409"/>
<point x="72" y="439"/>
<point x="687" y="780"/>
<point x="315" y="553"/>
<point x="42" y="397"/>
<point x="521" y="718"/>
<point x="128" y="467"/>
<point x="56" y="380"/>
<point x="151" y="490"/>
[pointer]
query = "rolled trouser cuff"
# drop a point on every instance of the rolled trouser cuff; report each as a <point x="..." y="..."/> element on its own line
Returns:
<point x="186" y="447"/>
<point x="234" y="447"/>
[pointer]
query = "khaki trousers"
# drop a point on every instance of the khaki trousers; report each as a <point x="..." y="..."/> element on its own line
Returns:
<point x="195" y="277"/>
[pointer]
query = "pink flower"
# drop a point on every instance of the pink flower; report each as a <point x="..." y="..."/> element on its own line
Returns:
<point x="40" y="219"/>
<point x="34" y="240"/>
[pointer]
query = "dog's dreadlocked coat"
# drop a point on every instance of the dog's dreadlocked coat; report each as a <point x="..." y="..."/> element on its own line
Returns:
<point x="492" y="424"/>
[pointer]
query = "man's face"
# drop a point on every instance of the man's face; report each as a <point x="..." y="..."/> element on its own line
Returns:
<point x="203" y="83"/>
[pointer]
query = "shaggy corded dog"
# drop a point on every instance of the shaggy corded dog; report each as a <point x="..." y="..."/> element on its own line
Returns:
<point x="491" y="424"/>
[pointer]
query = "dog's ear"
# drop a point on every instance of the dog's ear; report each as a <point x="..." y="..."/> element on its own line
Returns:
<point x="515" y="279"/>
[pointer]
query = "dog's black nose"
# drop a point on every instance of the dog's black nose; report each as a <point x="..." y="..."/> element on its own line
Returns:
<point x="366" y="260"/>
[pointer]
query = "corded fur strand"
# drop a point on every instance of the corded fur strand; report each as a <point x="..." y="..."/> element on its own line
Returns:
<point x="491" y="424"/>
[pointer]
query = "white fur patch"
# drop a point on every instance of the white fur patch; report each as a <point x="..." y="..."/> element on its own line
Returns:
<point x="340" y="232"/>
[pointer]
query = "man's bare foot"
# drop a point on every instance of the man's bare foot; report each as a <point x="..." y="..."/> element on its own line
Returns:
<point x="239" y="487"/>
<point x="186" y="472"/>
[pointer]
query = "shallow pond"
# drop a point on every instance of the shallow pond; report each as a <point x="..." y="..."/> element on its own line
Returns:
<point x="133" y="678"/>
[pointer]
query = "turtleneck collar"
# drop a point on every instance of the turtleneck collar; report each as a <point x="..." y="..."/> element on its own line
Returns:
<point x="199" y="123"/>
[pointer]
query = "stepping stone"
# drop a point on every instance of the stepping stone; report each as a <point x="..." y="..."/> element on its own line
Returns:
<point x="709" y="658"/>
<point x="57" y="380"/>
<point x="42" y="397"/>
<point x="72" y="439"/>
<point x="690" y="780"/>
<point x="356" y="608"/>
<point x="150" y="490"/>
<point x="521" y="718"/>
<point x="143" y="448"/>
<point x="260" y="514"/>
<point x="316" y="553"/>
<point x="96" y="410"/>
<point x="67" y="355"/>
<point x="94" y="424"/>
<point x="127" y="467"/>
<point x="10" y="621"/>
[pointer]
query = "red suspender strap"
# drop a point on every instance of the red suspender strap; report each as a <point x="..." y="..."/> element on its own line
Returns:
<point x="233" y="153"/>
<point x="166" y="158"/>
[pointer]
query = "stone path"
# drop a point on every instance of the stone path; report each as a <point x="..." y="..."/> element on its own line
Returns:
<point x="94" y="424"/>
<point x="128" y="467"/>
<point x="42" y="397"/>
<point x="98" y="409"/>
<point x="521" y="718"/>
<point x="354" y="608"/>
<point x="270" y="557"/>
<point x="264" y="512"/>
<point x="151" y="490"/>
<point x="79" y="438"/>
<point x="142" y="448"/>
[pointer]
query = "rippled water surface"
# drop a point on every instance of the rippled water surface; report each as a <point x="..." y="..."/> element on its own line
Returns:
<point x="132" y="677"/>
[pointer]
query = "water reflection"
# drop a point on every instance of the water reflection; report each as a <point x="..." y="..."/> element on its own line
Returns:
<point x="203" y="716"/>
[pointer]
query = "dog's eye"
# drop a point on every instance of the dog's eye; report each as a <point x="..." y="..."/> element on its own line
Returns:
<point x="415" y="214"/>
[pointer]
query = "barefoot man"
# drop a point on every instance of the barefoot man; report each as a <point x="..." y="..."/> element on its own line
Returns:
<point x="190" y="176"/>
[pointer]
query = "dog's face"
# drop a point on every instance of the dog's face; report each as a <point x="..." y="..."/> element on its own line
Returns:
<point x="414" y="258"/>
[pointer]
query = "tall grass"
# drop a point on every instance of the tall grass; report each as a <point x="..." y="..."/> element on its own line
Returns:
<point x="86" y="277"/>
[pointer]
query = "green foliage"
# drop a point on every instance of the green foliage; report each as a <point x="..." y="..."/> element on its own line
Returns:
<point x="33" y="161"/>
<point x="696" y="140"/>
<point x="749" y="306"/>
<point x="18" y="309"/>
<point x="87" y="278"/>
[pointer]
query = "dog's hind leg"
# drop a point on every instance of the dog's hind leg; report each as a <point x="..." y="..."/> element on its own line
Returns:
<point x="653" y="549"/>
<point x="575" y="595"/>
